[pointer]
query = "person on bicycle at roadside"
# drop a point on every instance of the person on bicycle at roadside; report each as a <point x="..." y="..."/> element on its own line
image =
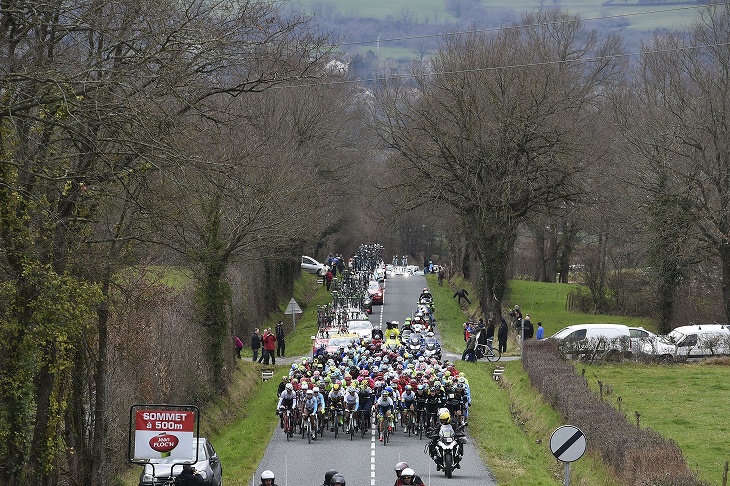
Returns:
<point x="352" y="405"/>
<point x="336" y="403"/>
<point x="309" y="409"/>
<point x="408" y="404"/>
<point x="287" y="401"/>
<point x="385" y="407"/>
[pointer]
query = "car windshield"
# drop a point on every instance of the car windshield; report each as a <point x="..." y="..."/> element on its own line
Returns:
<point x="674" y="337"/>
<point x="339" y="341"/>
<point x="359" y="325"/>
<point x="171" y="460"/>
<point x="373" y="285"/>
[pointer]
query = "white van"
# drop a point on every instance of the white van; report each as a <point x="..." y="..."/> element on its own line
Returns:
<point x="593" y="340"/>
<point x="696" y="341"/>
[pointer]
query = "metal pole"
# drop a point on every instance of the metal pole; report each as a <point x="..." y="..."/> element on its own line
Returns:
<point x="567" y="474"/>
<point x="294" y="320"/>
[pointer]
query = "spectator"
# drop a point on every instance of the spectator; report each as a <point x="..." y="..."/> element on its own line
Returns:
<point x="188" y="477"/>
<point x="540" y="331"/>
<point x="490" y="333"/>
<point x="469" y="353"/>
<point x="528" y="331"/>
<point x="441" y="276"/>
<point x="328" y="278"/>
<point x="269" y="346"/>
<point x="462" y="294"/>
<point x="256" y="344"/>
<point x="280" y="345"/>
<point x="502" y="336"/>
<point x="239" y="345"/>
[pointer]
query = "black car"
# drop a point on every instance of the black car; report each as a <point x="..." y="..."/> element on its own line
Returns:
<point x="208" y="467"/>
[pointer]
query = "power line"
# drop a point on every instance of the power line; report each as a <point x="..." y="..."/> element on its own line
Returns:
<point x="510" y="27"/>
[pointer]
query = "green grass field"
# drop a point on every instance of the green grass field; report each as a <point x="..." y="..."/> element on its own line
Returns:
<point x="686" y="403"/>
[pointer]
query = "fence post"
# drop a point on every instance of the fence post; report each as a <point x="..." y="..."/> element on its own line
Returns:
<point x="724" y="475"/>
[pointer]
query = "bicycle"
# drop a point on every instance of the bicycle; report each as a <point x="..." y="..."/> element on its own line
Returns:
<point x="407" y="420"/>
<point x="351" y="425"/>
<point x="488" y="351"/>
<point x="288" y="427"/>
<point x="363" y="422"/>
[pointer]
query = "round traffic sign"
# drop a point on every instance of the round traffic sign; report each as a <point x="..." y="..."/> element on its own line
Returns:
<point x="568" y="443"/>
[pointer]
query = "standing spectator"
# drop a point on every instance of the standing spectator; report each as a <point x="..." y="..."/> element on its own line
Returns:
<point x="529" y="331"/>
<point x="490" y="333"/>
<point x="328" y="278"/>
<point x="462" y="294"/>
<point x="239" y="345"/>
<point x="269" y="346"/>
<point x="502" y="336"/>
<point x="280" y="345"/>
<point x="466" y="331"/>
<point x="469" y="352"/>
<point x="540" y="331"/>
<point x="441" y="276"/>
<point x="256" y="344"/>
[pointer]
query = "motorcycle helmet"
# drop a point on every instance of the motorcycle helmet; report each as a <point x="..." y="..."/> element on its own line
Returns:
<point x="407" y="473"/>
<point x="328" y="477"/>
<point x="337" y="479"/>
<point x="267" y="475"/>
<point x="444" y="417"/>
<point x="400" y="467"/>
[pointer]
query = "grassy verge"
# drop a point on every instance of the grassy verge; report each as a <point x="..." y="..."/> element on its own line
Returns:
<point x="684" y="402"/>
<point x="509" y="421"/>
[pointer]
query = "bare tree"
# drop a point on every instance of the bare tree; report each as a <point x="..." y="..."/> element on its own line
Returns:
<point x="494" y="129"/>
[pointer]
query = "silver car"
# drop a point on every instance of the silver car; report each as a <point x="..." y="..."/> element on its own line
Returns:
<point x="208" y="467"/>
<point x="311" y="265"/>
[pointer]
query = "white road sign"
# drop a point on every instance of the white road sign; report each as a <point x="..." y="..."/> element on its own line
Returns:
<point x="568" y="443"/>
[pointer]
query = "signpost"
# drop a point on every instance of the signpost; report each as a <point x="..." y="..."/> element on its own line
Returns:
<point x="163" y="431"/>
<point x="293" y="309"/>
<point x="568" y="444"/>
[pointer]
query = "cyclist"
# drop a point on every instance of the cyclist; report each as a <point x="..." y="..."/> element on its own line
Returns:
<point x="352" y="405"/>
<point x="336" y="402"/>
<point x="421" y="401"/>
<point x="287" y="401"/>
<point x="434" y="402"/>
<point x="384" y="407"/>
<point x="320" y="404"/>
<point x="365" y="396"/>
<point x="309" y="410"/>
<point x="408" y="405"/>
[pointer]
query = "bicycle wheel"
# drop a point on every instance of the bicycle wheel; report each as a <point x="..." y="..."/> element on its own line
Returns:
<point x="336" y="424"/>
<point x="303" y="426"/>
<point x="409" y="423"/>
<point x="309" y="432"/>
<point x="351" y="425"/>
<point x="286" y="426"/>
<point x="492" y="356"/>
<point x="421" y="425"/>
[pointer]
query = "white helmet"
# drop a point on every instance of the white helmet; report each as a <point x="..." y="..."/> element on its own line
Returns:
<point x="408" y="472"/>
<point x="267" y="475"/>
<point x="289" y="387"/>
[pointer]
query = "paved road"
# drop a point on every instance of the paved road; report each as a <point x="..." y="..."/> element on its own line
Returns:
<point x="365" y="461"/>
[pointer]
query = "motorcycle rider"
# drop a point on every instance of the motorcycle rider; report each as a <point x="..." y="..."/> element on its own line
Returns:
<point x="408" y="478"/>
<point x="402" y="467"/>
<point x="267" y="478"/>
<point x="444" y="420"/>
<point x="337" y="480"/>
<point x="328" y="477"/>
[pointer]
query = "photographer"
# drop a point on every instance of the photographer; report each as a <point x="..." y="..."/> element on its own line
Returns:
<point x="188" y="477"/>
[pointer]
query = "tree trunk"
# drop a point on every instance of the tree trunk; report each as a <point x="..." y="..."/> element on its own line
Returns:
<point x="540" y="272"/>
<point x="551" y="261"/>
<point x="725" y="259"/>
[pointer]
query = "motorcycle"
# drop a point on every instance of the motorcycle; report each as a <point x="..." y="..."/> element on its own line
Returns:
<point x="431" y="350"/>
<point x="446" y="449"/>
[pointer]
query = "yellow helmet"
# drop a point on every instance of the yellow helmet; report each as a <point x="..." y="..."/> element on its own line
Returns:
<point x="444" y="417"/>
<point x="337" y="386"/>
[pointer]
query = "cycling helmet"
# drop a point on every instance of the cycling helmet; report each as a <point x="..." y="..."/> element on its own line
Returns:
<point x="336" y="386"/>
<point x="267" y="475"/>
<point x="310" y="392"/>
<point x="444" y="417"/>
<point x="407" y="473"/>
<point x="337" y="479"/>
<point x="315" y="389"/>
<point x="389" y="389"/>
<point x="385" y="394"/>
<point x="328" y="477"/>
<point x="289" y="386"/>
<point x="351" y="389"/>
<point x="400" y="467"/>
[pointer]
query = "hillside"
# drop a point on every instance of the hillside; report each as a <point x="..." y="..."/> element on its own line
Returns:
<point x="406" y="30"/>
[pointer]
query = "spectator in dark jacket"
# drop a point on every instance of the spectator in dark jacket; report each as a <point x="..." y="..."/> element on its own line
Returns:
<point x="502" y="336"/>
<point x="529" y="330"/>
<point x="462" y="294"/>
<point x="256" y="344"/>
<point x="280" y="339"/>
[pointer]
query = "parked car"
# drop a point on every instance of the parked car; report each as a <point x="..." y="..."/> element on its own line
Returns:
<point x="591" y="340"/>
<point x="311" y="265"/>
<point x="208" y="467"/>
<point x="696" y="341"/>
